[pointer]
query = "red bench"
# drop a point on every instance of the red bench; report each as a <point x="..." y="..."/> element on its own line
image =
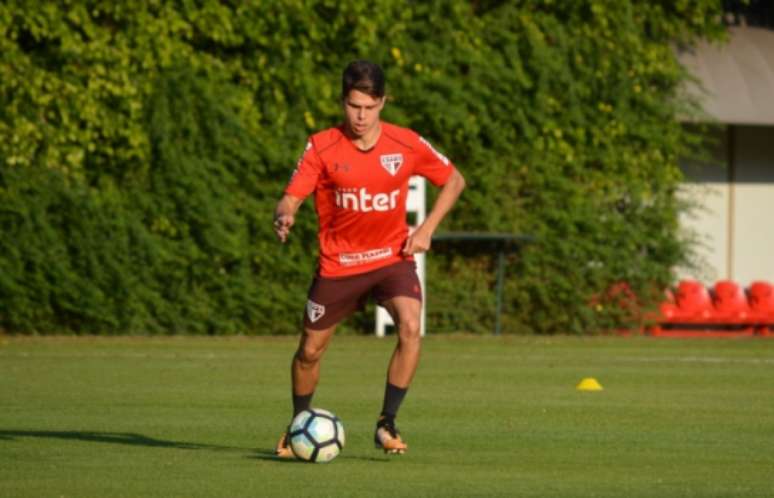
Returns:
<point x="761" y="298"/>
<point x="693" y="310"/>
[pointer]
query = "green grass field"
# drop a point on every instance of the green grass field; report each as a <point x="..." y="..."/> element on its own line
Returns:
<point x="486" y="416"/>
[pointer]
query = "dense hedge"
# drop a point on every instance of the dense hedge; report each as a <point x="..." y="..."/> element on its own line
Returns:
<point x="142" y="150"/>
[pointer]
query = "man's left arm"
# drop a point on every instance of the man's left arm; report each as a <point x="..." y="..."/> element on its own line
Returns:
<point x="420" y="240"/>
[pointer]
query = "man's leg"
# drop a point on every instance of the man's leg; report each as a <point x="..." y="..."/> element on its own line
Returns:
<point x="329" y="302"/>
<point x="305" y="368"/>
<point x="406" y="312"/>
<point x="305" y="373"/>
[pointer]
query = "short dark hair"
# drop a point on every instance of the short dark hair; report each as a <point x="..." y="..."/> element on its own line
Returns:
<point x="363" y="76"/>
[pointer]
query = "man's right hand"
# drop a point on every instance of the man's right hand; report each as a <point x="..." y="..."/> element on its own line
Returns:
<point x="284" y="216"/>
<point x="282" y="225"/>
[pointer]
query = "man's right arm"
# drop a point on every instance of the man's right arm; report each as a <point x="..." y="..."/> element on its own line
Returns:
<point x="284" y="215"/>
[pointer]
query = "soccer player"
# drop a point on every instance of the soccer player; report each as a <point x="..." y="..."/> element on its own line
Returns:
<point x="359" y="172"/>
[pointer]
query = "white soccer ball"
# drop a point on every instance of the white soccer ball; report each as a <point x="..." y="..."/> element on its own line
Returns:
<point x="316" y="435"/>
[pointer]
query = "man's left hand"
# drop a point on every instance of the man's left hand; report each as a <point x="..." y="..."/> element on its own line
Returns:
<point x="419" y="241"/>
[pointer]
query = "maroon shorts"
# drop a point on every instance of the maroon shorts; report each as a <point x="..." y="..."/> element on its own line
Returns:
<point x="331" y="300"/>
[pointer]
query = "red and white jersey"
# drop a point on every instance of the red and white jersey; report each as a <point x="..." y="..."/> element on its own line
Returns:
<point x="360" y="196"/>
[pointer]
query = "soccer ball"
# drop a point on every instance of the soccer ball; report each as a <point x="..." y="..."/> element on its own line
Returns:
<point x="316" y="435"/>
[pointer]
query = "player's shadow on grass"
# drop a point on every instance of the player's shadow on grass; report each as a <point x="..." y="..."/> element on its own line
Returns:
<point x="115" y="438"/>
<point x="133" y="439"/>
<point x="268" y="455"/>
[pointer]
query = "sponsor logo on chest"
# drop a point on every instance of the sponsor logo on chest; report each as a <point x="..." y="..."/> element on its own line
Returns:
<point x="391" y="162"/>
<point x="360" y="200"/>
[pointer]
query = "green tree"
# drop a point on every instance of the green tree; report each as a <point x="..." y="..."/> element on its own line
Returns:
<point x="143" y="146"/>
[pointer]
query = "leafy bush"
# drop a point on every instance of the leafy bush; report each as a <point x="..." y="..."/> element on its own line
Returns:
<point x="142" y="150"/>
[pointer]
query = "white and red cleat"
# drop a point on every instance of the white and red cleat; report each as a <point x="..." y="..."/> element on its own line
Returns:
<point x="387" y="437"/>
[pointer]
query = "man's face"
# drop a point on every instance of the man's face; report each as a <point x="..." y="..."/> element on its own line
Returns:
<point x="362" y="112"/>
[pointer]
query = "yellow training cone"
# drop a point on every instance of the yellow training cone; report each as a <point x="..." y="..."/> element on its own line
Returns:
<point x="589" y="384"/>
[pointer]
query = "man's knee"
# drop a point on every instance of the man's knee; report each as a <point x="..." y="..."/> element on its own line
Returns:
<point x="409" y="329"/>
<point x="309" y="355"/>
<point x="311" y="349"/>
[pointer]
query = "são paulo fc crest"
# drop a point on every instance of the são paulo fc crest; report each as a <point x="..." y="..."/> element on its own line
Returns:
<point x="314" y="311"/>
<point x="392" y="162"/>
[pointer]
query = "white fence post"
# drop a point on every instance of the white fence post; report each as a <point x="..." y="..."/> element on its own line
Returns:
<point x="415" y="204"/>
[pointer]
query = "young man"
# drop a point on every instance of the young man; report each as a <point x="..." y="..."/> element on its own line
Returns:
<point x="359" y="173"/>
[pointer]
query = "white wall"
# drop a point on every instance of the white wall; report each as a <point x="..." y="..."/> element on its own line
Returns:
<point x="706" y="186"/>
<point x="734" y="224"/>
<point x="753" y="215"/>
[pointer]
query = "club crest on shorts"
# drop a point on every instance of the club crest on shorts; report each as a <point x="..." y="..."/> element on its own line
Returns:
<point x="392" y="162"/>
<point x="314" y="311"/>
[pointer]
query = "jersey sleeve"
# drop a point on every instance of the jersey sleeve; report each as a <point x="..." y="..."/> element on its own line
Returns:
<point x="432" y="164"/>
<point x="307" y="173"/>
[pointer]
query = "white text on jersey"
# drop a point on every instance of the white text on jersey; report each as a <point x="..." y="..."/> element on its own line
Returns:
<point x="361" y="200"/>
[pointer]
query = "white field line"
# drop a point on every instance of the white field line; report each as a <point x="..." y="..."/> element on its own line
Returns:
<point x="697" y="359"/>
<point x="163" y="356"/>
<point x="532" y="358"/>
